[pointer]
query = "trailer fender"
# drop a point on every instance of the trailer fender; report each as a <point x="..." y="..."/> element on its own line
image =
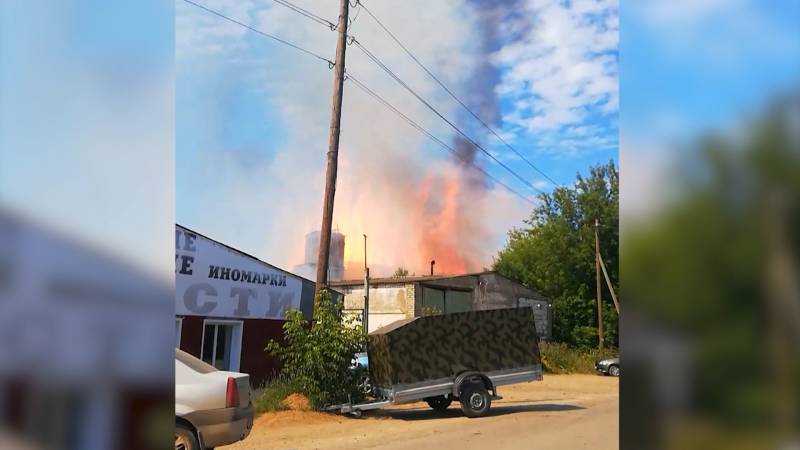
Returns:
<point x="469" y="377"/>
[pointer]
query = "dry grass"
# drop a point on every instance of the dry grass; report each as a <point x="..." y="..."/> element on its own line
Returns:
<point x="563" y="359"/>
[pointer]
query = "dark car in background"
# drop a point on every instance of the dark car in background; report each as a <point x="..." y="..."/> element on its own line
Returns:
<point x="608" y="366"/>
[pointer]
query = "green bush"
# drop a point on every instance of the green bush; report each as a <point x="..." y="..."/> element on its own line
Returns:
<point x="271" y="396"/>
<point x="317" y="358"/>
<point x="560" y="358"/>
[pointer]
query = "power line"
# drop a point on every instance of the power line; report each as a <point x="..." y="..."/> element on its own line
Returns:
<point x="430" y="135"/>
<point x="387" y="104"/>
<point x="386" y="69"/>
<point x="255" y="30"/>
<point x="307" y="13"/>
<point x="452" y="94"/>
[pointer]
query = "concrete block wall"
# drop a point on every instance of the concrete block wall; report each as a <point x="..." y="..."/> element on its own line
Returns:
<point x="384" y="298"/>
<point x="412" y="306"/>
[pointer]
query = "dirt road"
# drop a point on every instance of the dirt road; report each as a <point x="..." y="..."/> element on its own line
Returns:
<point x="561" y="412"/>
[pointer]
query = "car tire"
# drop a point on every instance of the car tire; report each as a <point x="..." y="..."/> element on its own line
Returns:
<point x="475" y="400"/>
<point x="440" y="402"/>
<point x="613" y="370"/>
<point x="185" y="438"/>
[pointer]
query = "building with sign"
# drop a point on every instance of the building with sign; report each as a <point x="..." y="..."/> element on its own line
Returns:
<point x="398" y="298"/>
<point x="229" y="304"/>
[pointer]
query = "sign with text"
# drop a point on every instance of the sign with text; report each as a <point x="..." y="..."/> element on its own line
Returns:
<point x="213" y="280"/>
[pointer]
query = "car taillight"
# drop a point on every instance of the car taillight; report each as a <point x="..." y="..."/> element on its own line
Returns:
<point x="232" y="394"/>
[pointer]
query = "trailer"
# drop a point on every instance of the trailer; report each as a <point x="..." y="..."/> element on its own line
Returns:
<point x="459" y="357"/>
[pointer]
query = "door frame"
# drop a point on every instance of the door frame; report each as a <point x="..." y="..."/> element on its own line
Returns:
<point x="236" y="341"/>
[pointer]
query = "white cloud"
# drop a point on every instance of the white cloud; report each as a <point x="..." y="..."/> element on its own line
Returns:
<point x="644" y="181"/>
<point x="565" y="64"/>
<point x="670" y="13"/>
<point x="387" y="170"/>
<point x="199" y="32"/>
<point x="719" y="34"/>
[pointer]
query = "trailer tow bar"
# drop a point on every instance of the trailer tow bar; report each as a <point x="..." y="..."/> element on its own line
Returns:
<point x="358" y="408"/>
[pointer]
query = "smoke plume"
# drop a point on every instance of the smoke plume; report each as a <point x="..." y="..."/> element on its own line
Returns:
<point x="448" y="210"/>
<point x="414" y="200"/>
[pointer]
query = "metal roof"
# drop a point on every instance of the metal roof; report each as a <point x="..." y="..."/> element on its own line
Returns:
<point x="419" y="279"/>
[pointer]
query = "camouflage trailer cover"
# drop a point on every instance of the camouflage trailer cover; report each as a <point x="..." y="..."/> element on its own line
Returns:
<point x="434" y="347"/>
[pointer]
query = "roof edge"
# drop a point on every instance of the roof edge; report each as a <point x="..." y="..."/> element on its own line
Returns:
<point x="243" y="253"/>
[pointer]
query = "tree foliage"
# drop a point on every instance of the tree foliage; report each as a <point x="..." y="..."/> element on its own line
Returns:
<point x="707" y="267"/>
<point x="400" y="272"/>
<point x="554" y="254"/>
<point x="318" y="358"/>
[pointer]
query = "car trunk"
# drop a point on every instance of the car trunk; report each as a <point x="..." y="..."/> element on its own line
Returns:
<point x="243" y="383"/>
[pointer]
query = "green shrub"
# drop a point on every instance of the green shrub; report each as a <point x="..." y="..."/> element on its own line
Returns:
<point x="271" y="396"/>
<point x="317" y="359"/>
<point x="560" y="358"/>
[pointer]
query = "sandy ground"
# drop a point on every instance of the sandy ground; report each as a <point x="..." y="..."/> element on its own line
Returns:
<point x="561" y="412"/>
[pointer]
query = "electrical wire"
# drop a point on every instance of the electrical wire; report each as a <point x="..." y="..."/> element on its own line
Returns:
<point x="386" y="69"/>
<point x="452" y="94"/>
<point x="430" y="135"/>
<point x="386" y="103"/>
<point x="307" y="13"/>
<point x="255" y="30"/>
<point x="353" y="20"/>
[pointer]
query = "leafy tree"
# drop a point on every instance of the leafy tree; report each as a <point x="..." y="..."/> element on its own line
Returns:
<point x="400" y="272"/>
<point x="318" y="358"/>
<point x="554" y="254"/>
<point x="707" y="266"/>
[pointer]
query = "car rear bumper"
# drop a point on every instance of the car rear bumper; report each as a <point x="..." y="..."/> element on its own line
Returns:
<point x="222" y="426"/>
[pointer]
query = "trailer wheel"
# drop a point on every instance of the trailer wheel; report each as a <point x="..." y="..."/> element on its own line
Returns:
<point x="440" y="402"/>
<point x="475" y="400"/>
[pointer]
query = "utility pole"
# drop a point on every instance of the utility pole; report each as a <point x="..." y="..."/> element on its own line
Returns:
<point x="599" y="294"/>
<point x="365" y="320"/>
<point x="333" y="151"/>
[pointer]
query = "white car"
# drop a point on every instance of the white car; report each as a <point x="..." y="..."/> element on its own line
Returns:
<point x="212" y="407"/>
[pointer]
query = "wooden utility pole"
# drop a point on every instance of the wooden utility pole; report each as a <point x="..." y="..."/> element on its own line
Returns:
<point x="599" y="294"/>
<point x="333" y="150"/>
<point x="365" y="320"/>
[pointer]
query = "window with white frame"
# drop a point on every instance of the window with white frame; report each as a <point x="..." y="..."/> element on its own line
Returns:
<point x="222" y="343"/>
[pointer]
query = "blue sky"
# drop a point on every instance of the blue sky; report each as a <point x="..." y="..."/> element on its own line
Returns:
<point x="691" y="67"/>
<point x="87" y="123"/>
<point x="252" y="118"/>
<point x="252" y="115"/>
<point x="721" y="61"/>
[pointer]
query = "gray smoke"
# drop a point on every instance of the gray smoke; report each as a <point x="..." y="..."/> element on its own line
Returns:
<point x="481" y="96"/>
